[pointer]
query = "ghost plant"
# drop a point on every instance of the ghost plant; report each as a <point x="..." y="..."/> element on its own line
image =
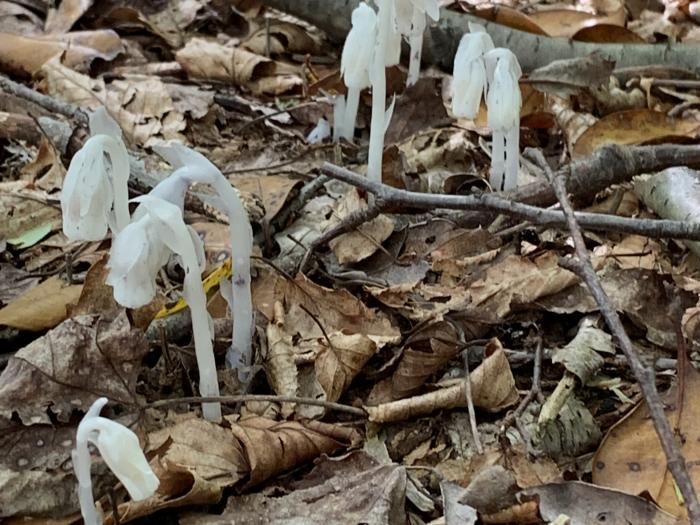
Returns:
<point x="503" y="102"/>
<point x="139" y="251"/>
<point x="469" y="74"/>
<point x="120" y="450"/>
<point x="95" y="190"/>
<point x="355" y="62"/>
<point x="192" y="167"/>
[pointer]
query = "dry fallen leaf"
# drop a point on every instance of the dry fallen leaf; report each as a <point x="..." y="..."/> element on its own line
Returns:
<point x="41" y="307"/>
<point x="75" y="363"/>
<point x="620" y="465"/>
<point x="633" y="127"/>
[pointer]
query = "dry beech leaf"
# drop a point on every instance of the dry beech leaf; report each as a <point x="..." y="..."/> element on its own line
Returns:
<point x="566" y="22"/>
<point x="638" y="126"/>
<point x="25" y="55"/>
<point x="246" y="453"/>
<point x="273" y="191"/>
<point x="208" y="60"/>
<point x="607" y="34"/>
<point x="46" y="171"/>
<point x="584" y="504"/>
<point x="143" y="107"/>
<point x="492" y="388"/>
<point x="519" y="280"/>
<point x="336" y="310"/>
<point x="419" y="107"/>
<point x="283" y="37"/>
<point x="510" y="17"/>
<point x="337" y="365"/>
<point x="75" y="363"/>
<point x="618" y="463"/>
<point x="352" y="489"/>
<point x="41" y="307"/>
<point x="359" y="244"/>
<point x="568" y="77"/>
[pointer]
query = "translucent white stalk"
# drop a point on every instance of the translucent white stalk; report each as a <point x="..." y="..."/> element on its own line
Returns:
<point x="352" y="104"/>
<point x="195" y="167"/>
<point x="120" y="450"/>
<point x="498" y="152"/>
<point x="174" y="233"/>
<point x="338" y="117"/>
<point x="416" y="44"/>
<point x="378" y="79"/>
<point x="512" y="154"/>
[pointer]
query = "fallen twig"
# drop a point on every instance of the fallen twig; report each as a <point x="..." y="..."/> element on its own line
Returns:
<point x="581" y="265"/>
<point x="338" y="407"/>
<point x="408" y="201"/>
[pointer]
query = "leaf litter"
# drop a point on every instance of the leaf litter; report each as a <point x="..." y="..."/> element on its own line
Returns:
<point x="426" y="327"/>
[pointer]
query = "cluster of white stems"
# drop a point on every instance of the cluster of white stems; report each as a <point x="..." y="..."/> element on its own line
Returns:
<point x="94" y="200"/>
<point x="480" y="70"/>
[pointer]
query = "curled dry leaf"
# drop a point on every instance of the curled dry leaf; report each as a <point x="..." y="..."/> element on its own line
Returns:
<point x="357" y="245"/>
<point x="207" y="60"/>
<point x="492" y="388"/>
<point x="567" y="22"/>
<point x="25" y="55"/>
<point x="80" y="360"/>
<point x="61" y="19"/>
<point x="280" y="37"/>
<point x="337" y="365"/>
<point x="244" y="453"/>
<point x="279" y="362"/>
<point x="564" y="78"/>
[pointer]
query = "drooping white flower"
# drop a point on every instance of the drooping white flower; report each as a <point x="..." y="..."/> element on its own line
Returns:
<point x="504" y="103"/>
<point x="469" y="75"/>
<point x="192" y="166"/>
<point x="158" y="230"/>
<point x="121" y="451"/>
<point x="95" y="190"/>
<point x="355" y="63"/>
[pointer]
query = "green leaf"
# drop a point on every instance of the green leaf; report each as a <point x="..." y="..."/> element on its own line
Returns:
<point x="31" y="237"/>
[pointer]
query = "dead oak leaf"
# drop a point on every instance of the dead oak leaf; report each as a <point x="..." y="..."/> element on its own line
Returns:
<point x="75" y="363"/>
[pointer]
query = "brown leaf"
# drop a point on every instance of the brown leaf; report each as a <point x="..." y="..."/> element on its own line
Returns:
<point x="279" y="361"/>
<point x="80" y="360"/>
<point x="348" y="490"/>
<point x="208" y="60"/>
<point x="25" y="55"/>
<point x="607" y="34"/>
<point x="634" y="127"/>
<point x="41" y="307"/>
<point x="283" y="37"/>
<point x="492" y="388"/>
<point x="566" y="22"/>
<point x="250" y="451"/>
<point x="619" y="464"/>
<point x="584" y="503"/>
<point x="14" y="282"/>
<point x="273" y="190"/>
<point x="359" y="244"/>
<point x="337" y="366"/>
<point x="419" y="107"/>
<point x="510" y="17"/>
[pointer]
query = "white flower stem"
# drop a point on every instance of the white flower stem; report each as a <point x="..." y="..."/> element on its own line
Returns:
<point x="378" y="79"/>
<point x="204" y="350"/>
<point x="497" y="160"/>
<point x="512" y="158"/>
<point x="351" y="105"/>
<point x="416" y="43"/>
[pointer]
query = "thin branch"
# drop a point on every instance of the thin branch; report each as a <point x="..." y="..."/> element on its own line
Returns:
<point x="45" y="101"/>
<point x="230" y="400"/>
<point x="405" y="200"/>
<point x="582" y="266"/>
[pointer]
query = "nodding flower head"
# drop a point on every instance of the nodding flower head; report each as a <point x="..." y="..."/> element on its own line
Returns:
<point x="95" y="190"/>
<point x="469" y="75"/>
<point x="359" y="45"/>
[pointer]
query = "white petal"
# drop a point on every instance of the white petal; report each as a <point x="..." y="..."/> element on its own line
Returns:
<point x="467" y="89"/>
<point x="503" y="99"/>
<point x="357" y="51"/>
